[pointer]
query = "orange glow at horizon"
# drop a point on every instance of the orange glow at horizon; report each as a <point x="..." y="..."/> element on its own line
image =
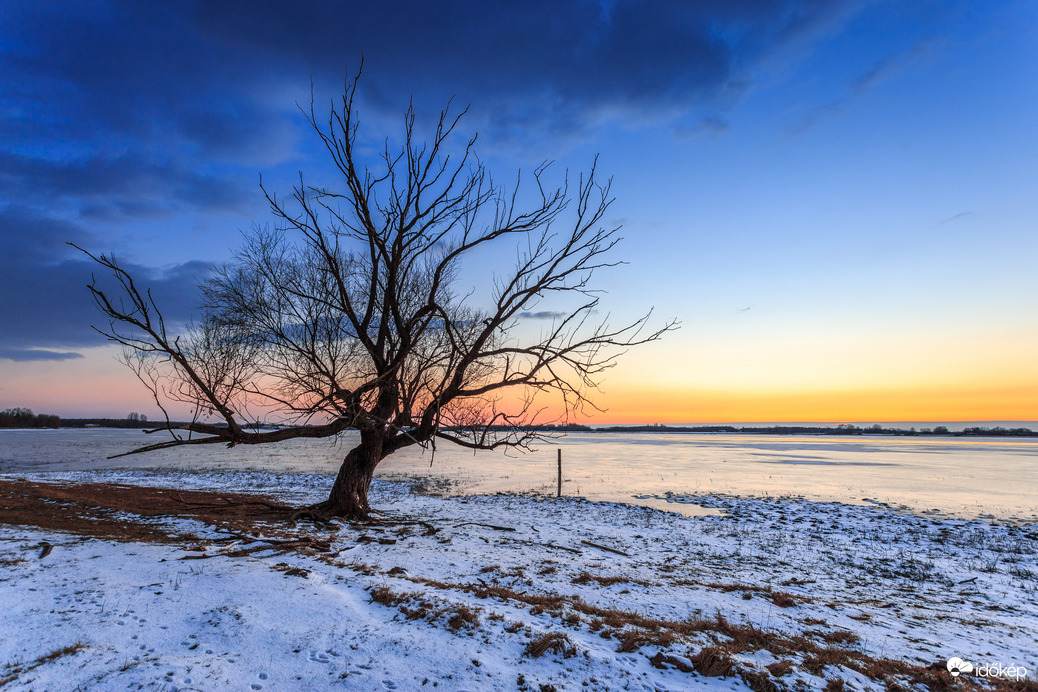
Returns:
<point x="627" y="404"/>
<point x="635" y="392"/>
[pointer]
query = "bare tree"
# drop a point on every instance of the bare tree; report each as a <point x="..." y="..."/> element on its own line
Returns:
<point x="348" y="314"/>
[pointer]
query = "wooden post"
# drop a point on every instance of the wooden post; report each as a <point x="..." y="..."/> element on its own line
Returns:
<point x="560" y="473"/>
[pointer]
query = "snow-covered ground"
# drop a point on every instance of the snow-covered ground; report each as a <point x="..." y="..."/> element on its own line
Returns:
<point x="517" y="593"/>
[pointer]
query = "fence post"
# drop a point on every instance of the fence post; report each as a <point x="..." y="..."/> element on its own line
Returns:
<point x="560" y="473"/>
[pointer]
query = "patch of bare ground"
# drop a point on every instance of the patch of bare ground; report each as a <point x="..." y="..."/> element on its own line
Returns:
<point x="12" y="671"/>
<point x="100" y="509"/>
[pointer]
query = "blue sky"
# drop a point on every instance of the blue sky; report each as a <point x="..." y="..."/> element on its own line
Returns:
<point x="836" y="198"/>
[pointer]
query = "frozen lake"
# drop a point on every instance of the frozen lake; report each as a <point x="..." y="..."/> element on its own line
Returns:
<point x="968" y="477"/>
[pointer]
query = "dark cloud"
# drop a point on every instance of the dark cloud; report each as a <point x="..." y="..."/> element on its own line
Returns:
<point x="135" y="110"/>
<point x="123" y="186"/>
<point x="541" y="64"/>
<point x="161" y="114"/>
<point x="45" y="303"/>
<point x="222" y="77"/>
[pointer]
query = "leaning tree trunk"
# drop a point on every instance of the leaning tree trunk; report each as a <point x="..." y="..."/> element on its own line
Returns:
<point x="349" y="496"/>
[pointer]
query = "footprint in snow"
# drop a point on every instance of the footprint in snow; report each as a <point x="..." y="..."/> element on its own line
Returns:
<point x="318" y="657"/>
<point x="389" y="684"/>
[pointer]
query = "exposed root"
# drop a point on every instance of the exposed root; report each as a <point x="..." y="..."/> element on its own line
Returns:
<point x="322" y="514"/>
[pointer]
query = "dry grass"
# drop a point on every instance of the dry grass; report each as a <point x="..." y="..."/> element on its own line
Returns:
<point x="457" y="618"/>
<point x="586" y="578"/>
<point x="12" y="671"/>
<point x="556" y="642"/>
<point x="712" y="662"/>
<point x="634" y="631"/>
<point x="759" y="681"/>
<point x="782" y="599"/>
<point x="93" y="509"/>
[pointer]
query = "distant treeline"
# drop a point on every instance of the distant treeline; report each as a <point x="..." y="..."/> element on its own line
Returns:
<point x="109" y="423"/>
<point x="25" y="418"/>
<point x="997" y="431"/>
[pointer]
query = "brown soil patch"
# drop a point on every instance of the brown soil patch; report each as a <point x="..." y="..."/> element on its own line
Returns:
<point x="94" y="509"/>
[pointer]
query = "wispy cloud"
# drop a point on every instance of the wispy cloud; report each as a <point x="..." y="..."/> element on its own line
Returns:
<point x="31" y="354"/>
<point x="543" y="315"/>
<point x="956" y="217"/>
<point x="879" y="71"/>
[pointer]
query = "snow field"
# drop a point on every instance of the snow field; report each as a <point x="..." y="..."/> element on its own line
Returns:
<point x="578" y="595"/>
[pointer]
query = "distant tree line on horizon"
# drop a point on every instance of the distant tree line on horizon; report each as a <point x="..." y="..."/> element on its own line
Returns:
<point x="25" y="418"/>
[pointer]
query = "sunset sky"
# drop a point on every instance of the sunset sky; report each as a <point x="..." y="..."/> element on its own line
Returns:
<point x="838" y="200"/>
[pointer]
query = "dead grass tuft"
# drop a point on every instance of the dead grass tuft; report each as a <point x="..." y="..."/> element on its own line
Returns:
<point x="829" y="656"/>
<point x="386" y="596"/>
<point x="633" y="639"/>
<point x="712" y="662"/>
<point x="456" y="617"/>
<point x="784" y="600"/>
<point x="662" y="661"/>
<point x="759" y="681"/>
<point x="463" y="618"/>
<point x="586" y="578"/>
<point x="556" y="642"/>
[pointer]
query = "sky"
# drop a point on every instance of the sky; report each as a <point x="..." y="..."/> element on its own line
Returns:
<point x="835" y="199"/>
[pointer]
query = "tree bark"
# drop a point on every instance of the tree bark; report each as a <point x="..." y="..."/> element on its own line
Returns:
<point x="349" y="496"/>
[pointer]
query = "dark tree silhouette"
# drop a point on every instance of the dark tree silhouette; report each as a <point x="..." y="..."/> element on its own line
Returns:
<point x="349" y="315"/>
